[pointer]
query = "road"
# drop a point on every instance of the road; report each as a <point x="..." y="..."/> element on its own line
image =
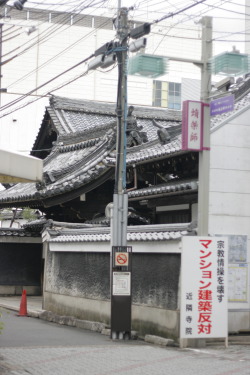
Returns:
<point x="36" y="347"/>
<point x="24" y="331"/>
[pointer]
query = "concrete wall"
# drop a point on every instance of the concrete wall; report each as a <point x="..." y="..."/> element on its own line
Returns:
<point x="78" y="284"/>
<point x="229" y="204"/>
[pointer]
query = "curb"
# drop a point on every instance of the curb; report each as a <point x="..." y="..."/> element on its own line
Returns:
<point x="71" y="321"/>
<point x="159" y="340"/>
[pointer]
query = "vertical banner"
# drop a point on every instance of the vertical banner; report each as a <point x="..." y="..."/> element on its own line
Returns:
<point x="204" y="284"/>
<point x="192" y="125"/>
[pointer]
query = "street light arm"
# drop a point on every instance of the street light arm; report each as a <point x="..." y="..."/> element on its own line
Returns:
<point x="182" y="59"/>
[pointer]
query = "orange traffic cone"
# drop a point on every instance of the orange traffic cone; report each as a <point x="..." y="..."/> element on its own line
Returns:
<point x="23" y="305"/>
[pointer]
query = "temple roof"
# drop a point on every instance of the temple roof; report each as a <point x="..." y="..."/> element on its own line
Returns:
<point x="83" y="155"/>
<point x="78" y="143"/>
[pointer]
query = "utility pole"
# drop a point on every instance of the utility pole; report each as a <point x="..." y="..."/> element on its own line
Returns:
<point x="117" y="211"/>
<point x="120" y="198"/>
<point x="204" y="156"/>
<point x="121" y="298"/>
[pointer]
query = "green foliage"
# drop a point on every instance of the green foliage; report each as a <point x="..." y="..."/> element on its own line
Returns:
<point x="29" y="214"/>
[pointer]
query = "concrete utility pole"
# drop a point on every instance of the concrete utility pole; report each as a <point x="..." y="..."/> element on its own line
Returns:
<point x="120" y="304"/>
<point x="120" y="254"/>
<point x="120" y="198"/>
<point x="204" y="156"/>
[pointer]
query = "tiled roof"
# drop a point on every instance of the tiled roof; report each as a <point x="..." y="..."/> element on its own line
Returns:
<point x="150" y="151"/>
<point x="83" y="156"/>
<point x="16" y="232"/>
<point x="105" y="108"/>
<point x="74" y="116"/>
<point x="132" y="237"/>
<point x="242" y="100"/>
<point x="134" y="233"/>
<point x="35" y="225"/>
<point x="162" y="189"/>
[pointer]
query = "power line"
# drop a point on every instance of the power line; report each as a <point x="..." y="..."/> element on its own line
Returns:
<point x="50" y="31"/>
<point x="167" y="16"/>
<point x="189" y="17"/>
<point x="58" y="55"/>
<point x="44" y="84"/>
<point x="47" y="93"/>
<point x="55" y="56"/>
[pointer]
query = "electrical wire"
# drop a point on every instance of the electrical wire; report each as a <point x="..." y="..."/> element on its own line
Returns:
<point x="57" y="56"/>
<point x="193" y="16"/>
<point x="46" y="94"/>
<point x="43" y="36"/>
<point x="44" y="84"/>
<point x="156" y="21"/>
<point x="76" y="11"/>
<point x="8" y="60"/>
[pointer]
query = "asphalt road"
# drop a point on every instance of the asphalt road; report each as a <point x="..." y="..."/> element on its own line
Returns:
<point x="23" y="331"/>
<point x="30" y="346"/>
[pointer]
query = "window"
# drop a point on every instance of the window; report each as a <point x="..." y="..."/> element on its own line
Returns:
<point x="174" y="95"/>
<point x="160" y="94"/>
<point x="167" y="94"/>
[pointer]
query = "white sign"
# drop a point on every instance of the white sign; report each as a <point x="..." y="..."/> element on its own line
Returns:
<point x="204" y="287"/>
<point x="237" y="283"/>
<point x="121" y="283"/>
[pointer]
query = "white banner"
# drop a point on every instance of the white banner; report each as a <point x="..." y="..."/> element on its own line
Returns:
<point x="204" y="286"/>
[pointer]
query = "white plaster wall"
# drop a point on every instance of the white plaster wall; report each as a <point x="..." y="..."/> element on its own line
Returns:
<point x="171" y="246"/>
<point x="229" y="205"/>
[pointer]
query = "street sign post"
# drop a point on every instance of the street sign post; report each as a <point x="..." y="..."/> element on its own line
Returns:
<point x="121" y="293"/>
